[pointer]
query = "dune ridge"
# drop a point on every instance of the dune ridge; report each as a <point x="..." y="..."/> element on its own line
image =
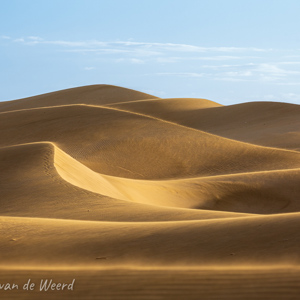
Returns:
<point x="114" y="181"/>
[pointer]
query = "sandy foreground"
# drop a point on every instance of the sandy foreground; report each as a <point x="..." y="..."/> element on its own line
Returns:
<point x="116" y="194"/>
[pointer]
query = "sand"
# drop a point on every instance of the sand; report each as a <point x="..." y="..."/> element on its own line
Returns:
<point x="137" y="197"/>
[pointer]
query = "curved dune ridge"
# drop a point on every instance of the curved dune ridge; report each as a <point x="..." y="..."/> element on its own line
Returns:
<point x="107" y="177"/>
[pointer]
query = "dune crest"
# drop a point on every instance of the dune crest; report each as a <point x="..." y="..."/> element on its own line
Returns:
<point x="98" y="94"/>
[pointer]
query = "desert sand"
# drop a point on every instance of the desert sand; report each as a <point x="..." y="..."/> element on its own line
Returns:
<point x="138" y="197"/>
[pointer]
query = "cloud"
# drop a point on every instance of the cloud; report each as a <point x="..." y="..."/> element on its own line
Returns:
<point x="291" y="96"/>
<point x="173" y="59"/>
<point x="130" y="60"/>
<point x="286" y="97"/>
<point x="19" y="40"/>
<point x="35" y="38"/>
<point x="162" y="52"/>
<point x="188" y="48"/>
<point x="270" y="97"/>
<point x="89" y="68"/>
<point x="249" y="72"/>
<point x="289" y="63"/>
<point x="274" y="70"/>
<point x="289" y="83"/>
<point x="151" y="52"/>
<point x="252" y="72"/>
<point x="235" y="64"/>
<point x="99" y="51"/>
<point x="181" y="74"/>
<point x="5" y="37"/>
<point x="150" y="46"/>
<point x="231" y="79"/>
<point x="136" y="61"/>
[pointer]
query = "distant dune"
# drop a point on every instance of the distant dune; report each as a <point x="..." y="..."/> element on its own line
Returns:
<point x="139" y="197"/>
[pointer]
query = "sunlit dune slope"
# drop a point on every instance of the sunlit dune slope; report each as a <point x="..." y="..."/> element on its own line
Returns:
<point x="32" y="187"/>
<point x="93" y="94"/>
<point x="263" y="123"/>
<point x="257" y="192"/>
<point x="161" y="107"/>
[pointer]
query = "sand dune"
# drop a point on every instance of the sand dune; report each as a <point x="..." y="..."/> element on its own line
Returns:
<point x="110" y="180"/>
<point x="94" y="94"/>
<point x="262" y="123"/>
<point x="31" y="186"/>
<point x="124" y="144"/>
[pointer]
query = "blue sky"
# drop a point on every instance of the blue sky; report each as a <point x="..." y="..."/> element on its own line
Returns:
<point x="229" y="51"/>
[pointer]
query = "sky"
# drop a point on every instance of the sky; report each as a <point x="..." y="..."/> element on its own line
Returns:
<point x="228" y="51"/>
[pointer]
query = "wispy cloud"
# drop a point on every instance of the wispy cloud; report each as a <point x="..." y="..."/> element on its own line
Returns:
<point x="252" y="72"/>
<point x="182" y="74"/>
<point x="223" y="63"/>
<point x="143" y="52"/>
<point x="264" y="72"/>
<point x="291" y="97"/>
<point x="35" y="38"/>
<point x="130" y="60"/>
<point x="5" y="37"/>
<point x="290" y="83"/>
<point x="173" y="59"/>
<point x="19" y="40"/>
<point x="293" y="63"/>
<point x="173" y="47"/>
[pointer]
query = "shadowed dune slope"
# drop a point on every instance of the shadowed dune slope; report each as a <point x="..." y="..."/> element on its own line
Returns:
<point x="263" y="123"/>
<point x="93" y="94"/>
